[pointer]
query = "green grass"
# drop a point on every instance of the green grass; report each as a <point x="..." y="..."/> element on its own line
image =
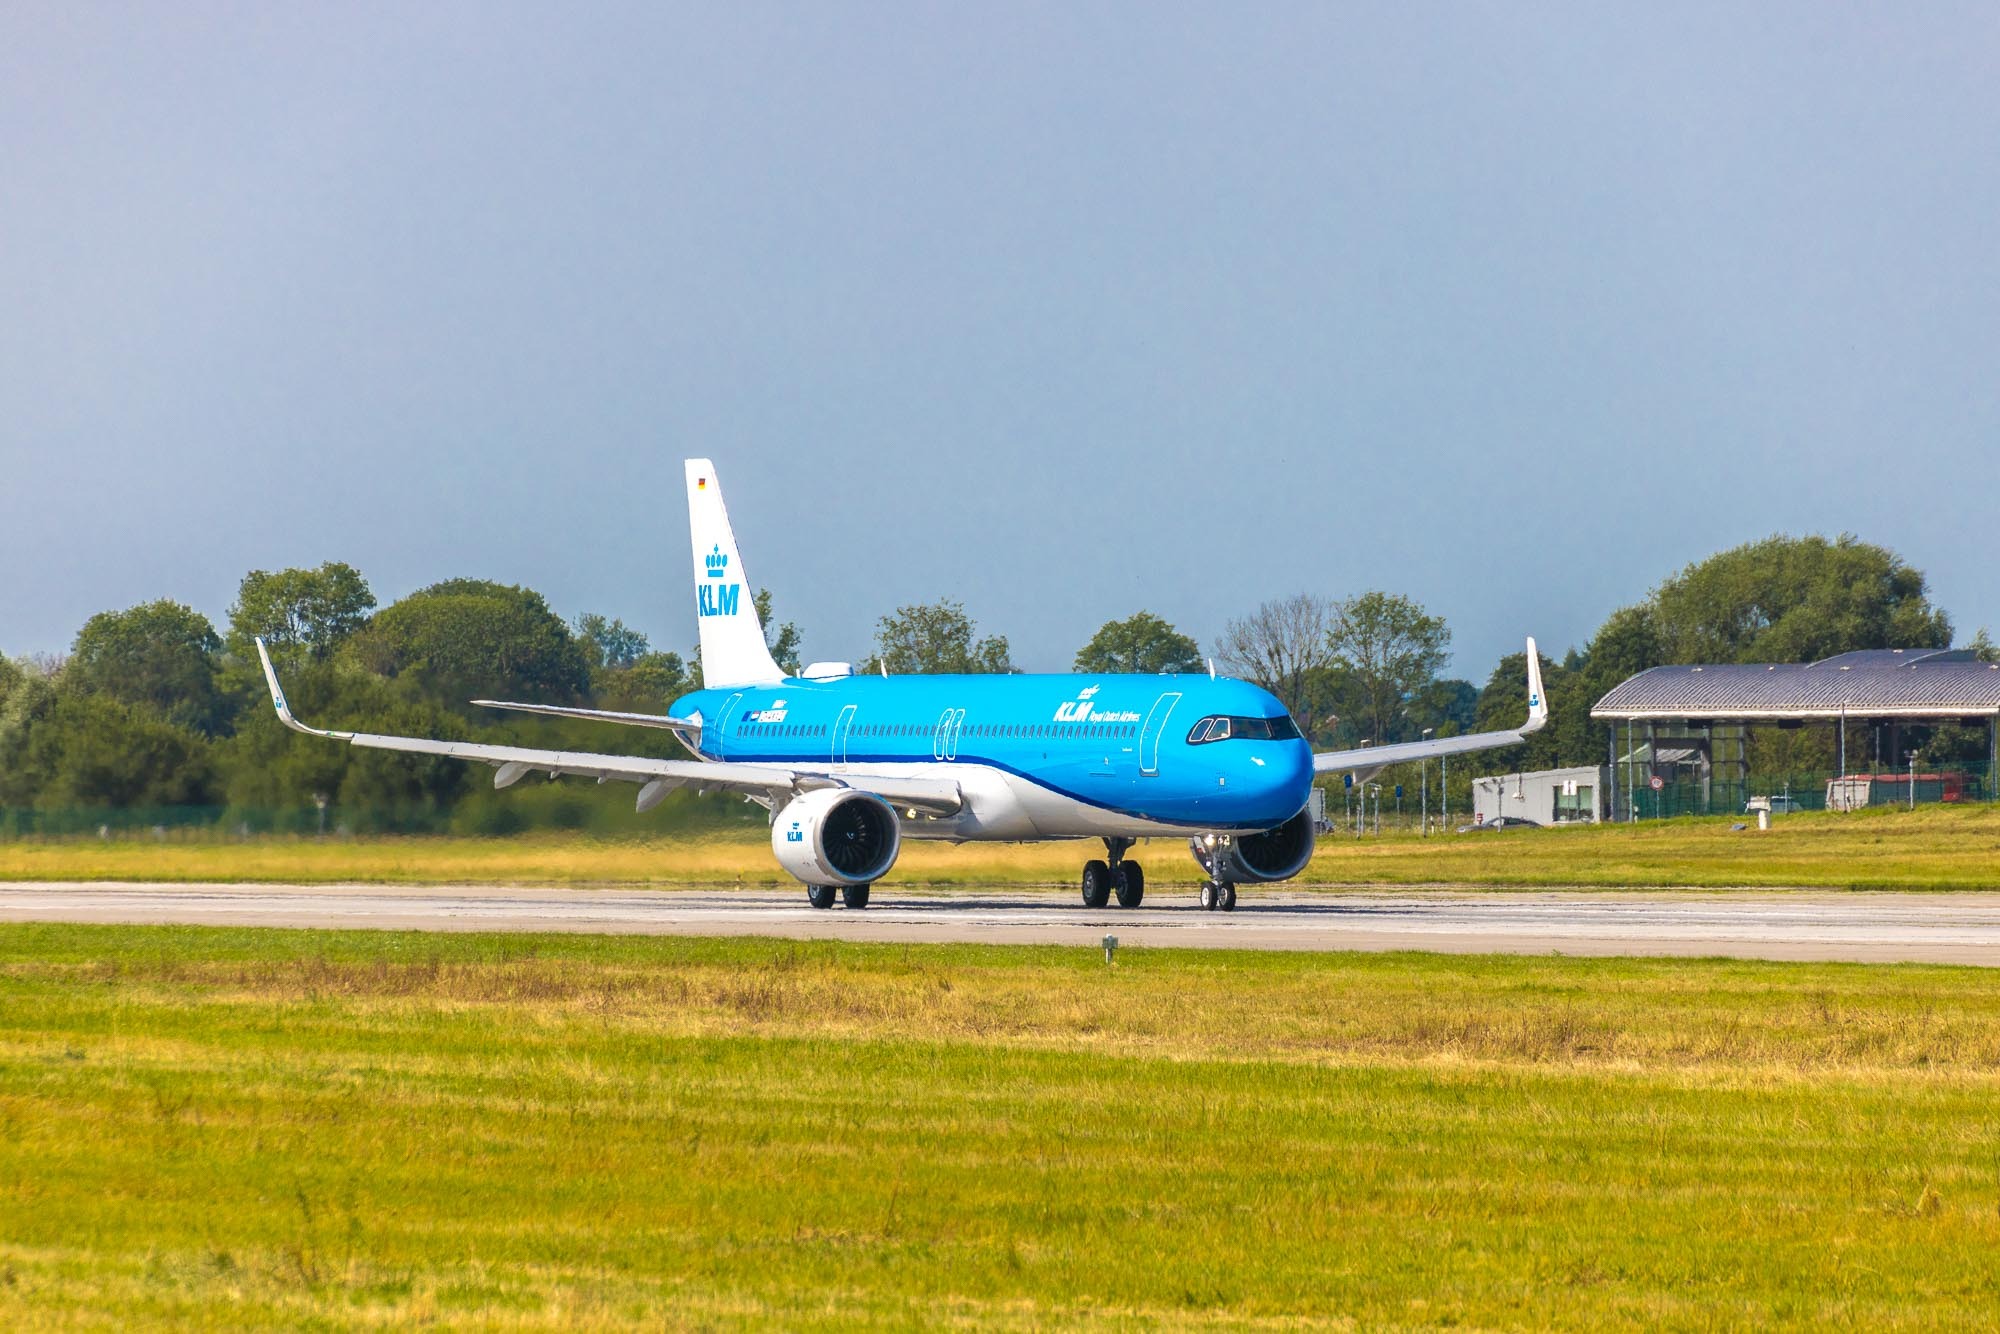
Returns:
<point x="1931" y="848"/>
<point x="261" y="1127"/>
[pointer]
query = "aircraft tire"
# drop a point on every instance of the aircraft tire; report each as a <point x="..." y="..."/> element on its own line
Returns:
<point x="1208" y="896"/>
<point x="819" y="896"/>
<point x="854" y="896"/>
<point x="1227" y="899"/>
<point x="1096" y="884"/>
<point x="1131" y="880"/>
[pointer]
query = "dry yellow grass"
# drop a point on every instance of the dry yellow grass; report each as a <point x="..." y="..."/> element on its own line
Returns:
<point x="275" y="1129"/>
<point x="1934" y="848"/>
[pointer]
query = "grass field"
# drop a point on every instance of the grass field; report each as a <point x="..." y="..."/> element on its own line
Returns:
<point x="253" y="1128"/>
<point x="1932" y="848"/>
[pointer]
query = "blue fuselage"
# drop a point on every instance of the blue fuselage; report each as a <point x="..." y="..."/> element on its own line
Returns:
<point x="1131" y="747"/>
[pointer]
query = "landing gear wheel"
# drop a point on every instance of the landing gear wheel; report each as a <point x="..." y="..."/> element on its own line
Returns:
<point x="1131" y="881"/>
<point x="1228" y="898"/>
<point x="854" y="896"/>
<point x="1208" y="896"/>
<point x="819" y="896"/>
<point x="1097" y="885"/>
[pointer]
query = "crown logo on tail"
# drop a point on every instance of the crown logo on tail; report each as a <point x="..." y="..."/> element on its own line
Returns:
<point x="718" y="564"/>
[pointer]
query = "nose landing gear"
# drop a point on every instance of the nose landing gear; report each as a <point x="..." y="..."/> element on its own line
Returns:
<point x="1218" y="895"/>
<point x="853" y="896"/>
<point x="1101" y="879"/>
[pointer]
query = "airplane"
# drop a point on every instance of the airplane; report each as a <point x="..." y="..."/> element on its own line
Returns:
<point x="851" y="764"/>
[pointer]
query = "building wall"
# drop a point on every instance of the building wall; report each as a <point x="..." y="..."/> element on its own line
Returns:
<point x="1540" y="797"/>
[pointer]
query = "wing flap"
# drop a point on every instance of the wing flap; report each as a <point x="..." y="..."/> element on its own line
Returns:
<point x="686" y="726"/>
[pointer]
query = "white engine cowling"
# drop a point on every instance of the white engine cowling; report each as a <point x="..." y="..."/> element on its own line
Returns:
<point x="836" y="836"/>
<point x="1275" y="854"/>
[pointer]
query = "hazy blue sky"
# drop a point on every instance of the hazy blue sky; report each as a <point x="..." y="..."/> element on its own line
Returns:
<point x="1064" y="311"/>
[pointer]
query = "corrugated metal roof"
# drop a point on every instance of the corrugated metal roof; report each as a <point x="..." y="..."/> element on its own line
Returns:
<point x="1875" y="684"/>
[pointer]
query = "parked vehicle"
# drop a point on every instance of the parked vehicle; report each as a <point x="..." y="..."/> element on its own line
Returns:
<point x="1500" y="822"/>
<point x="1776" y="804"/>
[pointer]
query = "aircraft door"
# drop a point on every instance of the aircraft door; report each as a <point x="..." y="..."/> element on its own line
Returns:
<point x="1149" y="736"/>
<point x="722" y="717"/>
<point x="944" y="740"/>
<point x="841" y="727"/>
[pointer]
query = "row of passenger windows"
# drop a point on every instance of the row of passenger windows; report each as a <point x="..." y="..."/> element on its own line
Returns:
<point x="1216" y="727"/>
<point x="1079" y="730"/>
<point x="1008" y="730"/>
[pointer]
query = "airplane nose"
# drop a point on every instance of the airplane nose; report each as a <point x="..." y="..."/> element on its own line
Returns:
<point x="1287" y="780"/>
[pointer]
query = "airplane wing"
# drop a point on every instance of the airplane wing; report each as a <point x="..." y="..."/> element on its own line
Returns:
<point x="770" y="782"/>
<point x="1371" y="759"/>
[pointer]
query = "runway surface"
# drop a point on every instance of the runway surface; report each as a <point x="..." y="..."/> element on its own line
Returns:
<point x="1802" y="924"/>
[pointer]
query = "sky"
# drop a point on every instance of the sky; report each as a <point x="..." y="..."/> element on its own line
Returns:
<point x="1059" y="310"/>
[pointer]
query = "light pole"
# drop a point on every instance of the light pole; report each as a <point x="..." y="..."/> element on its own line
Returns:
<point x="1444" y="793"/>
<point x="1424" y="769"/>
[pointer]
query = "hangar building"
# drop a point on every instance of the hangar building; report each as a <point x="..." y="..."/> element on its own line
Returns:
<point x="1680" y="735"/>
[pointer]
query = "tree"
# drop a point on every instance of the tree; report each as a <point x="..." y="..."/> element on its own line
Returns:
<point x="470" y="637"/>
<point x="1283" y="646"/>
<point x="1788" y="599"/>
<point x="94" y="750"/>
<point x="1448" y="707"/>
<point x="160" y="655"/>
<point x="1140" y="643"/>
<point x="311" y="610"/>
<point x="609" y="643"/>
<point x="26" y="703"/>
<point x="649" y="685"/>
<point x="1392" y="648"/>
<point x="782" y="639"/>
<point x="933" y="638"/>
<point x="1569" y="736"/>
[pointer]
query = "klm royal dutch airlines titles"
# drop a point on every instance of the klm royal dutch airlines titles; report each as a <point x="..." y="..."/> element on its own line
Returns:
<point x="851" y="765"/>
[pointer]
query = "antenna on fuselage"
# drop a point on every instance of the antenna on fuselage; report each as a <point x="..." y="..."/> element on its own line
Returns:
<point x="883" y="663"/>
<point x="1211" y="669"/>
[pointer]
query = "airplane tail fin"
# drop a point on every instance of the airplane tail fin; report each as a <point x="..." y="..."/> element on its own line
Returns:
<point x="733" y="651"/>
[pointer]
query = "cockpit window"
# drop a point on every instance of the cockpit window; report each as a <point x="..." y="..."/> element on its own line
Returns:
<point x="1218" y="727"/>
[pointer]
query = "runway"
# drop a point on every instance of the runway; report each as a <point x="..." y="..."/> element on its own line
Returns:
<point x="1763" y="924"/>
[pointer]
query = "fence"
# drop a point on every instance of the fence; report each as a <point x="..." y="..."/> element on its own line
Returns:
<point x="1959" y="783"/>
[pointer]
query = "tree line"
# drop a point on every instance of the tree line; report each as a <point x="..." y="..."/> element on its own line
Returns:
<point x="155" y="707"/>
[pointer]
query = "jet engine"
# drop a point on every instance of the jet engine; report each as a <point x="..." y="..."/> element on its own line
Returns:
<point x="1275" y="854"/>
<point x="836" y="836"/>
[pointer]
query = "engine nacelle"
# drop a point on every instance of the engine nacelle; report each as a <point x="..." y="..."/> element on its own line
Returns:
<point x="836" y="836"/>
<point x="1275" y="854"/>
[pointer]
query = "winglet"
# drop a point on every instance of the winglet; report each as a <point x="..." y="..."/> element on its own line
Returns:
<point x="1538" y="701"/>
<point x="284" y="709"/>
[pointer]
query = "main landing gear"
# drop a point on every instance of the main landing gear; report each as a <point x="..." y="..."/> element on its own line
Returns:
<point x="853" y="896"/>
<point x="1103" y="878"/>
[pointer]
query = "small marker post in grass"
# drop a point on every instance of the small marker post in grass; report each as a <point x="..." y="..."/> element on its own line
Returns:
<point x="1110" y="948"/>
